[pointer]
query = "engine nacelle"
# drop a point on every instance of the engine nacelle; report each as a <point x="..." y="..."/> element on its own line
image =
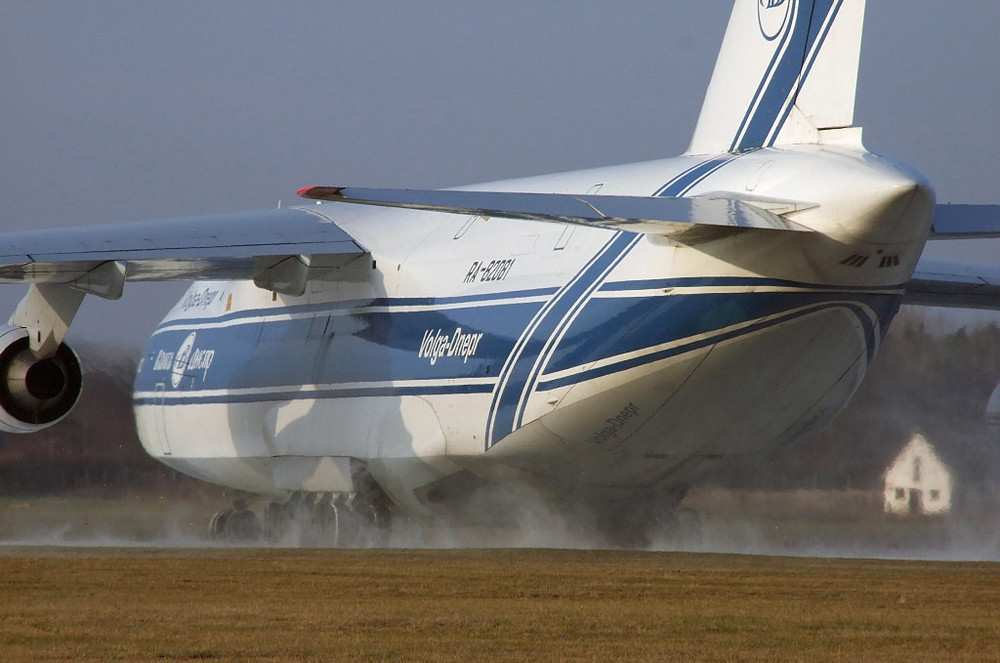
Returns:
<point x="35" y="393"/>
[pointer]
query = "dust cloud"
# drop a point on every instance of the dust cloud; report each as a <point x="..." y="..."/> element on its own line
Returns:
<point x="778" y="523"/>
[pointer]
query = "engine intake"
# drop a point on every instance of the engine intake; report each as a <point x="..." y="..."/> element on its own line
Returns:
<point x="35" y="393"/>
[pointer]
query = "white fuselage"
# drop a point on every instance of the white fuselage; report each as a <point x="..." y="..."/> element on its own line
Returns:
<point x="590" y="363"/>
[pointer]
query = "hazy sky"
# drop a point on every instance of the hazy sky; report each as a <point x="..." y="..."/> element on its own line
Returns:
<point x="116" y="111"/>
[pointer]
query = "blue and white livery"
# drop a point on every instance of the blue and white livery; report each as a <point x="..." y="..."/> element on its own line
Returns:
<point x="602" y="336"/>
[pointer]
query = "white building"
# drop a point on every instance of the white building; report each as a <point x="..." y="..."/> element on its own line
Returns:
<point x="917" y="481"/>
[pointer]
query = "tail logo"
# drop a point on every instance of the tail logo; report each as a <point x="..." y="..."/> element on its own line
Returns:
<point x="772" y="16"/>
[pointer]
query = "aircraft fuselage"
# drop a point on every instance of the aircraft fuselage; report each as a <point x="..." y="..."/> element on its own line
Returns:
<point x="584" y="361"/>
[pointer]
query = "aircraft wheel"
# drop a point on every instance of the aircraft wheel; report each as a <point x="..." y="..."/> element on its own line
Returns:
<point x="217" y="525"/>
<point x="372" y="525"/>
<point x="326" y="523"/>
<point x="242" y="525"/>
<point x="235" y="524"/>
<point x="277" y="520"/>
<point x="329" y="523"/>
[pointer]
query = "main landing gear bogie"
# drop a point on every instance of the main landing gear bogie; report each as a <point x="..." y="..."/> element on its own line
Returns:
<point x="338" y="520"/>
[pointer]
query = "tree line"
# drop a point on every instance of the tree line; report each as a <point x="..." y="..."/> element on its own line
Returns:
<point x="922" y="380"/>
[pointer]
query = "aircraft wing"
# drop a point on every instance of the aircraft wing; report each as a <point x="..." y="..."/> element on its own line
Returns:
<point x="954" y="284"/>
<point x="639" y="214"/>
<point x="965" y="222"/>
<point x="227" y="246"/>
<point x="279" y="249"/>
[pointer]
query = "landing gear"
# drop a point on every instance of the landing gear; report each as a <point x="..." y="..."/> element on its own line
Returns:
<point x="653" y="522"/>
<point x="680" y="530"/>
<point x="338" y="520"/>
<point x="335" y="520"/>
<point x="309" y="519"/>
<point x="236" y="524"/>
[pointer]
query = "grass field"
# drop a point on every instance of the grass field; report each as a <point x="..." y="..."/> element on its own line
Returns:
<point x="134" y="579"/>
<point x="109" y="604"/>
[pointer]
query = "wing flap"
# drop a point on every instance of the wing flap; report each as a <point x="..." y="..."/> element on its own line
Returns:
<point x="652" y="215"/>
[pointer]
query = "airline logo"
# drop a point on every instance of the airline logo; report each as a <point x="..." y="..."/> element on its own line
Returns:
<point x="458" y="344"/>
<point x="185" y="361"/>
<point x="772" y="16"/>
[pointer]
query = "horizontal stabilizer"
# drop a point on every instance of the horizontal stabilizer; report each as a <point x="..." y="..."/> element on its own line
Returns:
<point x="954" y="285"/>
<point x="966" y="222"/>
<point x="248" y="245"/>
<point x="650" y="215"/>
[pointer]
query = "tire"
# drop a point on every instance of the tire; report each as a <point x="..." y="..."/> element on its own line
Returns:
<point x="242" y="526"/>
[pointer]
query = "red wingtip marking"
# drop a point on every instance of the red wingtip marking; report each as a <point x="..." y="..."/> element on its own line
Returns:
<point x="320" y="192"/>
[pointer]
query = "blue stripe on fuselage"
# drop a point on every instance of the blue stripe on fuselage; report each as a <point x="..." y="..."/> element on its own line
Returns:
<point x="376" y="352"/>
<point x="741" y="281"/>
<point x="356" y="305"/>
<point x="264" y="394"/>
<point x="338" y="347"/>
<point x="522" y="367"/>
<point x="687" y="180"/>
<point x="630" y="328"/>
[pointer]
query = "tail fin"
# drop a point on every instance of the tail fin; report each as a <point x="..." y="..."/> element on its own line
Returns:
<point x="787" y="69"/>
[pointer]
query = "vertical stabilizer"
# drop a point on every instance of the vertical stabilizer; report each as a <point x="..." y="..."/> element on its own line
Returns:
<point x="787" y="70"/>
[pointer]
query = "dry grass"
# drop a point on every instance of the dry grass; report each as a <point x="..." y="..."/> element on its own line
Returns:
<point x="274" y="605"/>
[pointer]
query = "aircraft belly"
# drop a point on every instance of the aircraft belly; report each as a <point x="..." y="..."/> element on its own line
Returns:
<point x="198" y="439"/>
<point x="301" y="445"/>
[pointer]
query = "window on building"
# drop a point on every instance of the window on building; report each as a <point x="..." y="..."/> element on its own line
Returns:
<point x="900" y="494"/>
<point x="935" y="495"/>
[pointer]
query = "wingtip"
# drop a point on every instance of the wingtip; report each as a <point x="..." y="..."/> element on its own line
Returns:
<point x="320" y="192"/>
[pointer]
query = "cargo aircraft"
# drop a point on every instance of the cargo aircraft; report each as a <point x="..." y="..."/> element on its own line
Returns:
<point x="601" y="337"/>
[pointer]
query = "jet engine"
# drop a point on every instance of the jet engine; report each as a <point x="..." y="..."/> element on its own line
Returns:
<point x="35" y="393"/>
